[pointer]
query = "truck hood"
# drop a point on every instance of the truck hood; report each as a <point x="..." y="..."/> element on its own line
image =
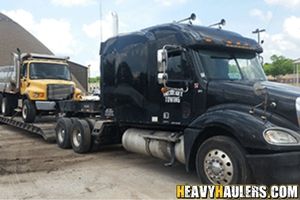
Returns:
<point x="241" y="92"/>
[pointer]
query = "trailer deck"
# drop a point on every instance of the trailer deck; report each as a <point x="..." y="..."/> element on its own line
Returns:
<point x="44" y="126"/>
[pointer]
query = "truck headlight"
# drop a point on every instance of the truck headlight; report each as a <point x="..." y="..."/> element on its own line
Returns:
<point x="281" y="136"/>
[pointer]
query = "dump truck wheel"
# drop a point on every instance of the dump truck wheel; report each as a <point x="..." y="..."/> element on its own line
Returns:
<point x="81" y="136"/>
<point x="221" y="160"/>
<point x="6" y="107"/>
<point x="63" y="131"/>
<point x="28" y="111"/>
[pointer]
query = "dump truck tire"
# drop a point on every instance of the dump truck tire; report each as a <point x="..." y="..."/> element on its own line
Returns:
<point x="28" y="111"/>
<point x="6" y="107"/>
<point x="1" y="98"/>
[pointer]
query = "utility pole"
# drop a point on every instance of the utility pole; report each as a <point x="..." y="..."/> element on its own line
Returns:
<point x="297" y="71"/>
<point x="258" y="31"/>
<point x="88" y="77"/>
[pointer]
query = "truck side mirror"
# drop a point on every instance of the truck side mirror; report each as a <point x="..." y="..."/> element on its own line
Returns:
<point x="162" y="64"/>
<point x="162" y="60"/>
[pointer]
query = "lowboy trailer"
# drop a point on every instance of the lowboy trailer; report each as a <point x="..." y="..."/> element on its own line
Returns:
<point x="45" y="126"/>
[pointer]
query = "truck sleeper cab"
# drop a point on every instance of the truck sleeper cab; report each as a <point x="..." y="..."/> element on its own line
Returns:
<point x="198" y="96"/>
<point x="39" y="82"/>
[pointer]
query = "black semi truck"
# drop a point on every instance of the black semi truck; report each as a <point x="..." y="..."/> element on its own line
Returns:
<point x="194" y="95"/>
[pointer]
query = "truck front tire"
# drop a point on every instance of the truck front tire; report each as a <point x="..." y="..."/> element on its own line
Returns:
<point x="7" y="108"/>
<point x="63" y="131"/>
<point x="221" y="160"/>
<point x="81" y="136"/>
<point x="28" y="111"/>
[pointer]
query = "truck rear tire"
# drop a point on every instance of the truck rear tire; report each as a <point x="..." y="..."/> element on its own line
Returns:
<point x="28" y="111"/>
<point x="6" y="107"/>
<point x="81" y="136"/>
<point x="221" y="160"/>
<point x="63" y="131"/>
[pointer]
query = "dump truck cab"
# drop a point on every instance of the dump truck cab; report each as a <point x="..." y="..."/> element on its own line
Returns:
<point x="40" y="81"/>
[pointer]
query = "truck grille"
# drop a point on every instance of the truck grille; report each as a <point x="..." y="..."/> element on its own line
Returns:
<point x="60" y="92"/>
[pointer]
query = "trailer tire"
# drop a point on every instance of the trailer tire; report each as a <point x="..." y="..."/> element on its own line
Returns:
<point x="81" y="136"/>
<point x="221" y="160"/>
<point x="6" y="107"/>
<point x="28" y="111"/>
<point x="63" y="132"/>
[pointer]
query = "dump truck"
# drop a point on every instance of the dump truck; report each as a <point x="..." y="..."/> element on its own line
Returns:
<point x="194" y="95"/>
<point x="35" y="83"/>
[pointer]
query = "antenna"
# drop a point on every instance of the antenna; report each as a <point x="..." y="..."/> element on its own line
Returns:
<point x="220" y="24"/>
<point x="190" y="19"/>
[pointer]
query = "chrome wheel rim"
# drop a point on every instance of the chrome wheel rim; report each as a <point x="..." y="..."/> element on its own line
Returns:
<point x="3" y="106"/>
<point x="24" y="111"/>
<point x="61" y="134"/>
<point x="77" y="138"/>
<point x="218" y="167"/>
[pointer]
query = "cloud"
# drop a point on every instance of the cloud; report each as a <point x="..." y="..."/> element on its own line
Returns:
<point x="291" y="26"/>
<point x="278" y="44"/>
<point x="102" y="27"/>
<point x="170" y="2"/>
<point x="56" y="34"/>
<point x="70" y="3"/>
<point x="285" y="3"/>
<point x="119" y="2"/>
<point x="264" y="16"/>
<point x="286" y="42"/>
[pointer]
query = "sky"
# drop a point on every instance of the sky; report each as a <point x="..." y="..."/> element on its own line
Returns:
<point x="75" y="27"/>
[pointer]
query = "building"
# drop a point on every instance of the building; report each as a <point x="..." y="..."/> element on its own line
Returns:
<point x="13" y="36"/>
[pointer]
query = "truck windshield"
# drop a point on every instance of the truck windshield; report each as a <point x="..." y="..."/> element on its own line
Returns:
<point x="49" y="71"/>
<point x="230" y="66"/>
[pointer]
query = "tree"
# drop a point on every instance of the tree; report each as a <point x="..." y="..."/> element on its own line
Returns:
<point x="94" y="79"/>
<point x="280" y="66"/>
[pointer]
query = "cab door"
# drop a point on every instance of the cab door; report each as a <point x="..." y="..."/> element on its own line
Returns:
<point x="178" y="101"/>
<point x="23" y="78"/>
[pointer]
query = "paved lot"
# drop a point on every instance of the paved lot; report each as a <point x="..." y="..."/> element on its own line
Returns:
<point x="32" y="168"/>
